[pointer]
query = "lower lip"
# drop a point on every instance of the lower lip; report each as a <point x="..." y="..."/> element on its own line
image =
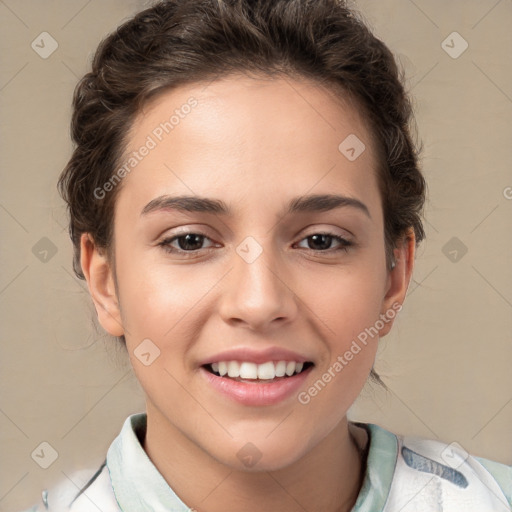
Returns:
<point x="249" y="393"/>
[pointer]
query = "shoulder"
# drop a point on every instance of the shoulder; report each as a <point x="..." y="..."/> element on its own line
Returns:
<point x="433" y="475"/>
<point x="92" y="490"/>
<point x="82" y="491"/>
<point x="96" y="493"/>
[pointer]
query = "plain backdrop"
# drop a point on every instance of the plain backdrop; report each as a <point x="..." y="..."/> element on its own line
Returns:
<point x="446" y="361"/>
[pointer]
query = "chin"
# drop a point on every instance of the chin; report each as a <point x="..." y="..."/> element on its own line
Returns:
<point x="261" y="454"/>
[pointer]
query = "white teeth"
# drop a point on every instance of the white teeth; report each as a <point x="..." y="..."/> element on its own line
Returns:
<point x="290" y="368"/>
<point x="233" y="369"/>
<point x="266" y="370"/>
<point x="248" y="370"/>
<point x="280" y="368"/>
<point x="223" y="368"/>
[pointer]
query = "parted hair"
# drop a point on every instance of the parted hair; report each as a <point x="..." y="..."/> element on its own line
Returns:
<point x="175" y="42"/>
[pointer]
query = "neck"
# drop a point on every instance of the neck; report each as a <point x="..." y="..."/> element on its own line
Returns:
<point x="328" y="478"/>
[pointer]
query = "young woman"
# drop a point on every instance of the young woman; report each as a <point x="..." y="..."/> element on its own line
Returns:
<point x="245" y="203"/>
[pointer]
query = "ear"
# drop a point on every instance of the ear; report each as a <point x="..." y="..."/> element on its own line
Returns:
<point x="398" y="281"/>
<point x="100" y="280"/>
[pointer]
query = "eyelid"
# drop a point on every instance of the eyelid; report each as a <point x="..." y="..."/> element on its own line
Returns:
<point x="166" y="240"/>
<point x="329" y="230"/>
<point x="344" y="243"/>
<point x="182" y="231"/>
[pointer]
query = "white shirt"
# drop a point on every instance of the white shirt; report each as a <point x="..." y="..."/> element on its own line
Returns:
<point x="403" y="473"/>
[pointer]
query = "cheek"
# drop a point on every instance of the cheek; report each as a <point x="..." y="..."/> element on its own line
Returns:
<point x="159" y="307"/>
<point x="348" y="324"/>
<point x="159" y="299"/>
<point x="168" y="305"/>
<point x="347" y="305"/>
<point x="346" y="300"/>
<point x="155" y="295"/>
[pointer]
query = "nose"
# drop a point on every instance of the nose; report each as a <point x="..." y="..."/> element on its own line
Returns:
<point x="257" y="292"/>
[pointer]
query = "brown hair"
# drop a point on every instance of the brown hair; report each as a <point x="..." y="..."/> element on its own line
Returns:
<point x="176" y="42"/>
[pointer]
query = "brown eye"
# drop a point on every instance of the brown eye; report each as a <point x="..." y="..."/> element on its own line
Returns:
<point x="186" y="243"/>
<point x="321" y="242"/>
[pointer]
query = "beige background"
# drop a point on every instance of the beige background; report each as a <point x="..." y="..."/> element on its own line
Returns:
<point x="447" y="360"/>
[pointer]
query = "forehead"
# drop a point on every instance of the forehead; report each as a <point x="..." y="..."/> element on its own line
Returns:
<point x="249" y="137"/>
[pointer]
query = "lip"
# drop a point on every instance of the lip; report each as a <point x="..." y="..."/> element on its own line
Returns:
<point x="256" y="356"/>
<point x="256" y="394"/>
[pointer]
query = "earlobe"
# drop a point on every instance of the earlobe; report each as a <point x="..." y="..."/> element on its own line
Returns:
<point x="398" y="281"/>
<point x="100" y="280"/>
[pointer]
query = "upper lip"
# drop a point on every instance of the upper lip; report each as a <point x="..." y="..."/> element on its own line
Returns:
<point x="256" y="356"/>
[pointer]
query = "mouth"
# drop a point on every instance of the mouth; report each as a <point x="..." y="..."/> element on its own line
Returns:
<point x="252" y="384"/>
<point x="268" y="372"/>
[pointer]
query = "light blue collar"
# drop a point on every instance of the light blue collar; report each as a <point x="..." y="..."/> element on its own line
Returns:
<point x="138" y="485"/>
<point x="380" y="469"/>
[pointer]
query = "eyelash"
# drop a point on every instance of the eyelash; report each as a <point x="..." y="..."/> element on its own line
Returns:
<point x="165" y="244"/>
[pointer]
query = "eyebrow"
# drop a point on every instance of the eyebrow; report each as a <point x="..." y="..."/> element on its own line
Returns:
<point x="301" y="204"/>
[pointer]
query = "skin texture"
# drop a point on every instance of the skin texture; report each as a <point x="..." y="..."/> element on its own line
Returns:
<point x="254" y="143"/>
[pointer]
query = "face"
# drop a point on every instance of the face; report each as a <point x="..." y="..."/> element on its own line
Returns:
<point x="265" y="279"/>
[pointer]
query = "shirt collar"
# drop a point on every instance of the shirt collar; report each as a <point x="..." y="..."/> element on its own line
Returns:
<point x="380" y="469"/>
<point x="136" y="482"/>
<point x="138" y="485"/>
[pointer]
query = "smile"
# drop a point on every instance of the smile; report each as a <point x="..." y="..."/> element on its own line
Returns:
<point x="256" y="384"/>
<point x="252" y="371"/>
